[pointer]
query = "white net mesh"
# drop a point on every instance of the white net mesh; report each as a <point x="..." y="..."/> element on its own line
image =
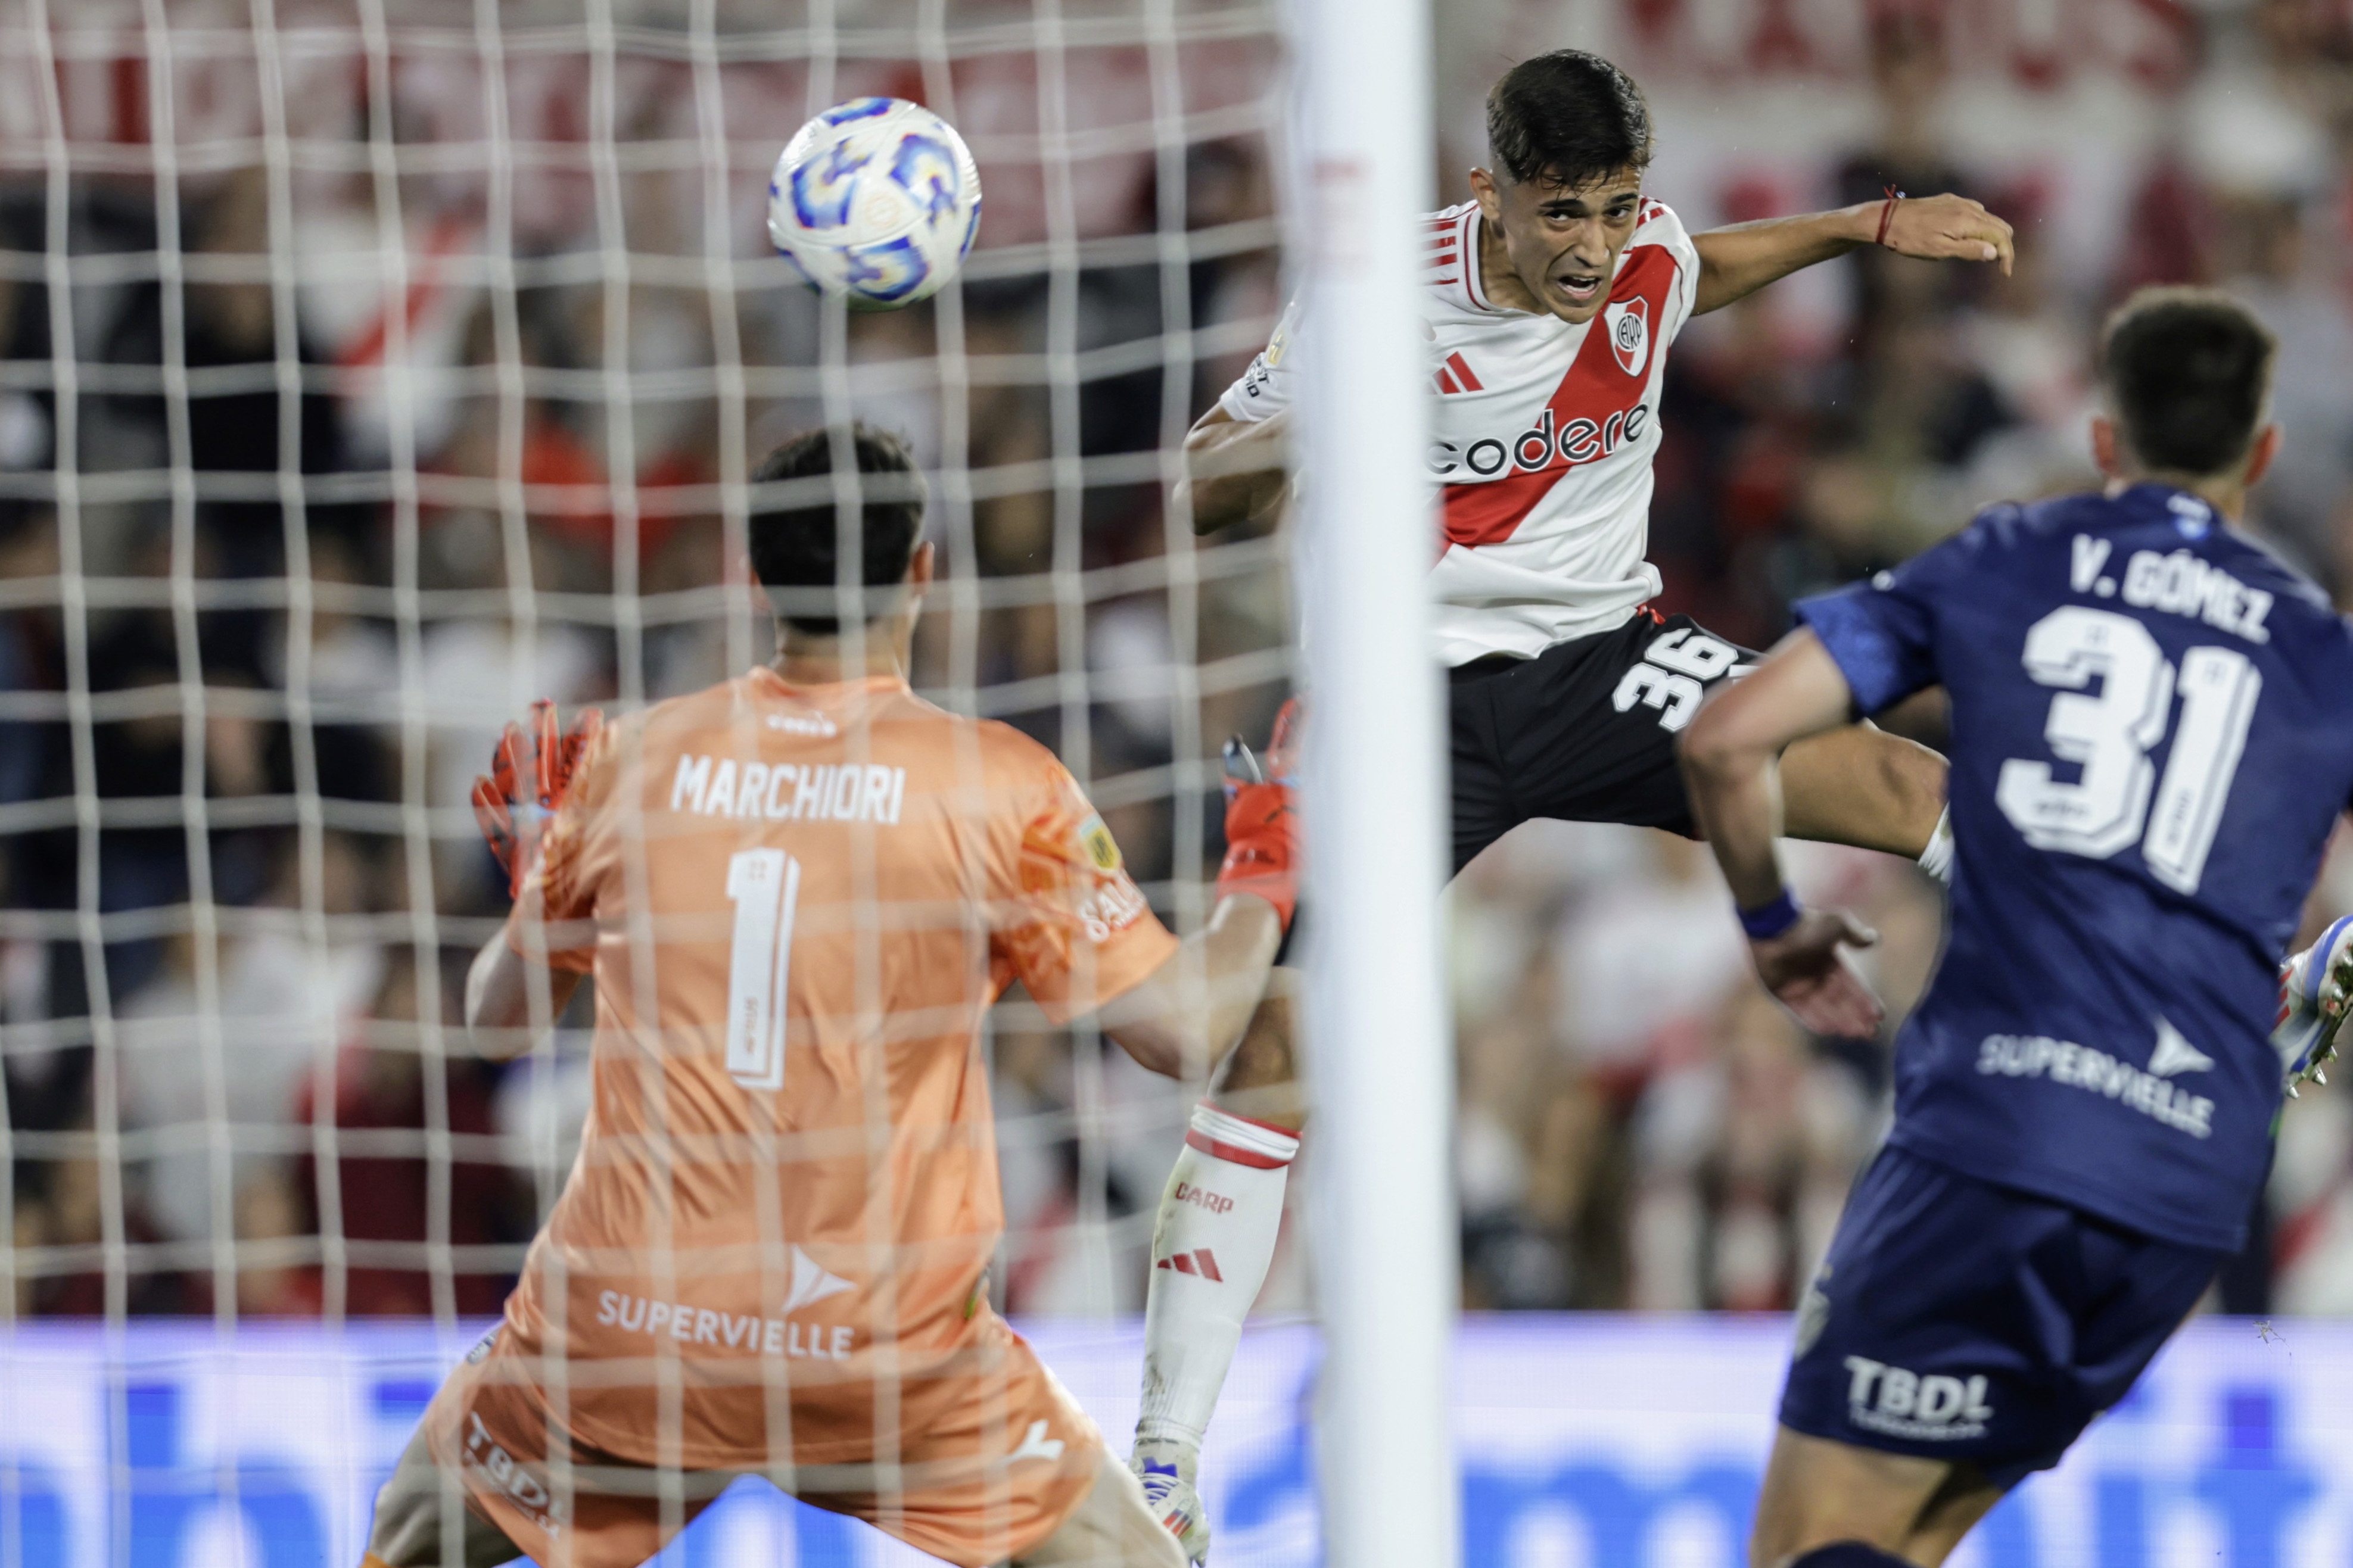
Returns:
<point x="367" y="372"/>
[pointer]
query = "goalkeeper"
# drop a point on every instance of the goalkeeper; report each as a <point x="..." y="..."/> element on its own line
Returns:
<point x="797" y="892"/>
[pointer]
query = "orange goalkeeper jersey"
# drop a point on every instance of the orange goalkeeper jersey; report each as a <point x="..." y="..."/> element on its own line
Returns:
<point x="798" y="901"/>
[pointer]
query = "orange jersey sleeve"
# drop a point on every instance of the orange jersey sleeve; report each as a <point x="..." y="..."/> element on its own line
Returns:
<point x="1080" y="932"/>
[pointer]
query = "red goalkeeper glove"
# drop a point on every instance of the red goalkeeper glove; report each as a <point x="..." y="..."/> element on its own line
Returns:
<point x="531" y="772"/>
<point x="1261" y="820"/>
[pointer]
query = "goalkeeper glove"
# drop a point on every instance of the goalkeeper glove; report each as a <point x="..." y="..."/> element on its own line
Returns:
<point x="2313" y="993"/>
<point x="531" y="772"/>
<point x="1261" y="821"/>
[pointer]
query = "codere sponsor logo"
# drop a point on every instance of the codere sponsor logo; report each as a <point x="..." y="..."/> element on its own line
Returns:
<point x="1900" y="1403"/>
<point x="1543" y="445"/>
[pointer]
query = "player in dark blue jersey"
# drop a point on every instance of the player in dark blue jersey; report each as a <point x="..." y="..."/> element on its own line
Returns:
<point x="2152" y="738"/>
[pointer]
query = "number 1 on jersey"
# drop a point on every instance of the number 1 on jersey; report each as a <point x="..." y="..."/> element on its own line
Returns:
<point x="765" y="885"/>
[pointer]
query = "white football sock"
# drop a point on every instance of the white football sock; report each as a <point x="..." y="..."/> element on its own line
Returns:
<point x="1211" y="1247"/>
<point x="1937" y="858"/>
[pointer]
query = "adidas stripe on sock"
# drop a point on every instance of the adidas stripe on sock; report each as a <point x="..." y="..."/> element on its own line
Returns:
<point x="1211" y="1247"/>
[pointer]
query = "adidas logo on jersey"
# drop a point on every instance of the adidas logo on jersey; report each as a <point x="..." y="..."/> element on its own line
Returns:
<point x="1902" y="1404"/>
<point x="1543" y="445"/>
<point x="1455" y="376"/>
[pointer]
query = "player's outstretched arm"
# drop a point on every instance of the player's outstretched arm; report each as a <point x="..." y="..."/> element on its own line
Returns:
<point x="1235" y="471"/>
<point x="1730" y="757"/>
<point x="1741" y="260"/>
<point x="1182" y="1018"/>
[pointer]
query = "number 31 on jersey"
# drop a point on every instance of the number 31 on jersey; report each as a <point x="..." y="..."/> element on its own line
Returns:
<point x="2110" y="737"/>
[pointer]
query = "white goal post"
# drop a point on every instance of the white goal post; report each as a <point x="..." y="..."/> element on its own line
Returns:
<point x="1382" y="1069"/>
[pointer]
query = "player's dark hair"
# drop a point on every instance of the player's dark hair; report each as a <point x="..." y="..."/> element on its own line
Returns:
<point x="1568" y="117"/>
<point x="796" y="539"/>
<point x="2188" y="372"/>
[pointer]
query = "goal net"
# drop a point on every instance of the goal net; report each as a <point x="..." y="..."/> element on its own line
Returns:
<point x="370" y="368"/>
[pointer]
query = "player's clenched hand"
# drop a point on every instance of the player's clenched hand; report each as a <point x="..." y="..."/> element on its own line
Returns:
<point x="531" y="772"/>
<point x="1263" y="819"/>
<point x="1949" y="228"/>
<point x="1807" y="969"/>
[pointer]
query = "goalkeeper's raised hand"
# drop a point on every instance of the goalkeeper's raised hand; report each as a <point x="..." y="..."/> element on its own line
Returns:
<point x="1262" y="819"/>
<point x="531" y="772"/>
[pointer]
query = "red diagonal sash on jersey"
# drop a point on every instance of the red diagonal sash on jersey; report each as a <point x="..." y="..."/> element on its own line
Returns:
<point x="1599" y="385"/>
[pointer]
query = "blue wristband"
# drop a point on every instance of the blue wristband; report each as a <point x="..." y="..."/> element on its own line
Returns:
<point x="1765" y="925"/>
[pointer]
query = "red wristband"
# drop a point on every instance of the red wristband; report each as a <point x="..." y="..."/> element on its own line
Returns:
<point x="1887" y="213"/>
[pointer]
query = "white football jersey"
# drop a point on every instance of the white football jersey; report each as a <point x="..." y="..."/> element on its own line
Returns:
<point x="1541" y="442"/>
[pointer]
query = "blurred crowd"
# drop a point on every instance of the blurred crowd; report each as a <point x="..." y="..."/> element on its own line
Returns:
<point x="332" y="525"/>
<point x="1638" y="1126"/>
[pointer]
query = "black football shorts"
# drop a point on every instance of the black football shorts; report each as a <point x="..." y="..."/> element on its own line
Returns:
<point x="1583" y="732"/>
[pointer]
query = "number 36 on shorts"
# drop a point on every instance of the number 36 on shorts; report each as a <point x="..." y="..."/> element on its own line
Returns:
<point x="1673" y="675"/>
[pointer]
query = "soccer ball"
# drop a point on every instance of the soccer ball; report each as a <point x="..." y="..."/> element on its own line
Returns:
<point x="875" y="201"/>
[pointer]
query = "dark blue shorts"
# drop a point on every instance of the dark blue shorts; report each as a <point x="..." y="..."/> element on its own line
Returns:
<point x="1957" y="1320"/>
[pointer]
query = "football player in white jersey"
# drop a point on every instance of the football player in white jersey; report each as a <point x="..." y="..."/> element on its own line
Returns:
<point x="1553" y="296"/>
